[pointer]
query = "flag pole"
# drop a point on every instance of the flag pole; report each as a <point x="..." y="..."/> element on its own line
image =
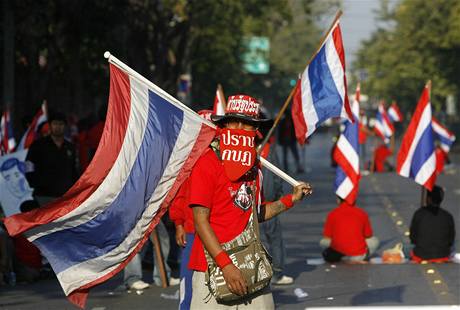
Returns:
<point x="372" y="165"/>
<point x="115" y="61"/>
<point x="423" y="196"/>
<point x="424" y="192"/>
<point x="336" y="18"/>
<point x="159" y="258"/>
<point x="278" y="172"/>
<point x="275" y="123"/>
<point x="288" y="100"/>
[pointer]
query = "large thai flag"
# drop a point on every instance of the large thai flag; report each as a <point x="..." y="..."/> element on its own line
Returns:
<point x="147" y="149"/>
<point x="219" y="102"/>
<point x="445" y="137"/>
<point x="7" y="141"/>
<point x="416" y="158"/>
<point x="31" y="133"/>
<point x="346" y="154"/>
<point x="394" y="113"/>
<point x="383" y="126"/>
<point x="321" y="91"/>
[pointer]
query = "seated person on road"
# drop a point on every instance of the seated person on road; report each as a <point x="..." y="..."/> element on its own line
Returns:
<point x="381" y="156"/>
<point x="432" y="230"/>
<point x="347" y="234"/>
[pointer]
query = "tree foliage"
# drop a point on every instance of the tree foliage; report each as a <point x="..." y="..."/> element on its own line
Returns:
<point x="418" y="41"/>
<point x="161" y="39"/>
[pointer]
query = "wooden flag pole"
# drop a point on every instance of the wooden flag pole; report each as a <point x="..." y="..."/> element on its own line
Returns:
<point x="424" y="192"/>
<point x="288" y="100"/>
<point x="159" y="258"/>
<point x="423" y="197"/>
<point x="372" y="167"/>
<point x="336" y="18"/>
<point x="275" y="123"/>
<point x="392" y="147"/>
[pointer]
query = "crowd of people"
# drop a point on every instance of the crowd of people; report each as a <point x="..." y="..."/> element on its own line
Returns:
<point x="217" y="211"/>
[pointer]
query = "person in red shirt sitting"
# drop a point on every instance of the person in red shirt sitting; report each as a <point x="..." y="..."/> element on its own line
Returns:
<point x="381" y="155"/>
<point x="347" y="234"/>
<point x="224" y="188"/>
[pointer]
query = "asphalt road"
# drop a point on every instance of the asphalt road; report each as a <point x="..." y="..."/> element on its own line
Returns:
<point x="390" y="201"/>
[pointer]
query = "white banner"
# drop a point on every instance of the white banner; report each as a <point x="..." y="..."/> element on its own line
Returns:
<point x="14" y="188"/>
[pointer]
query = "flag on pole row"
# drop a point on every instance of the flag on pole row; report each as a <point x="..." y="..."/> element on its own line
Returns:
<point x="394" y="113"/>
<point x="31" y="133"/>
<point x="219" y="102"/>
<point x="383" y="126"/>
<point x="321" y="91"/>
<point x="445" y="137"/>
<point x="416" y="158"/>
<point x="148" y="147"/>
<point x="7" y="141"/>
<point x="346" y="155"/>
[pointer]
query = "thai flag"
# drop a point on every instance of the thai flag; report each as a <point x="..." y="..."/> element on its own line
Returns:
<point x="321" y="91"/>
<point x="394" y="113"/>
<point x="346" y="154"/>
<point x="383" y="126"/>
<point x="31" y="133"/>
<point x="443" y="135"/>
<point x="149" y="145"/>
<point x="219" y="102"/>
<point x="8" y="143"/>
<point x="416" y="158"/>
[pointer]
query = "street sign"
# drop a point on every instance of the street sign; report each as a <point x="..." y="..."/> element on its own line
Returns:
<point x="256" y="56"/>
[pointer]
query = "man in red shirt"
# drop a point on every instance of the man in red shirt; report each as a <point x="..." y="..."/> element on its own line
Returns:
<point x="348" y="234"/>
<point x="182" y="216"/>
<point x="224" y="187"/>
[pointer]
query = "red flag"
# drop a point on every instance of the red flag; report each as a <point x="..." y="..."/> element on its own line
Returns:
<point x="219" y="101"/>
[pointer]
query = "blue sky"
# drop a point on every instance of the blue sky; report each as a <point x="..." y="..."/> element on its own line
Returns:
<point x="357" y="23"/>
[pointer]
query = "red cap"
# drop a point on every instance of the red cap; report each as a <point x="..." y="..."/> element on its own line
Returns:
<point x="241" y="107"/>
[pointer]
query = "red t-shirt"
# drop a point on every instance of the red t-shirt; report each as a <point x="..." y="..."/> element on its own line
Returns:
<point x="348" y="227"/>
<point x="380" y="156"/>
<point x="211" y="188"/>
<point x="179" y="211"/>
<point x="362" y="135"/>
<point x="440" y="160"/>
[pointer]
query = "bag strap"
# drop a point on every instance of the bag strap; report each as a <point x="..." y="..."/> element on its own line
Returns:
<point x="255" y="218"/>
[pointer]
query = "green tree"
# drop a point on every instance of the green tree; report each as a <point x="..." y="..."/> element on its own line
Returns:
<point x="419" y="40"/>
<point x="161" y="39"/>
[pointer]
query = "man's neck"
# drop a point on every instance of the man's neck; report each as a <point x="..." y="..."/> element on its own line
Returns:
<point x="58" y="140"/>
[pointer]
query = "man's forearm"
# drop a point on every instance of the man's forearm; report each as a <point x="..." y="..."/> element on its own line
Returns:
<point x="272" y="209"/>
<point x="205" y="232"/>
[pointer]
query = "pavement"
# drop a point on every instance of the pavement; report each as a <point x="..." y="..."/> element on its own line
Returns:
<point x="390" y="201"/>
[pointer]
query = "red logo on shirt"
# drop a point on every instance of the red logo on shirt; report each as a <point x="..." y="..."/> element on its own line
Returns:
<point x="244" y="197"/>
